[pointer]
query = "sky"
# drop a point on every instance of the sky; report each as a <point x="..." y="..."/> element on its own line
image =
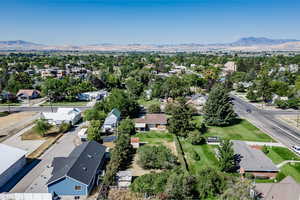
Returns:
<point x="80" y="22"/>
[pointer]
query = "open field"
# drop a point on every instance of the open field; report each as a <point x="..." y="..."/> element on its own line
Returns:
<point x="280" y="154"/>
<point x="244" y="130"/>
<point x="14" y="119"/>
<point x="65" y="103"/>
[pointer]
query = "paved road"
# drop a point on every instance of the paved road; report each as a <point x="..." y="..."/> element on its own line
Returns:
<point x="38" y="108"/>
<point x="32" y="179"/>
<point x="266" y="121"/>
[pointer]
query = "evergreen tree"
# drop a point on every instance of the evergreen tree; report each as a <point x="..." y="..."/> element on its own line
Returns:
<point x="227" y="158"/>
<point x="218" y="110"/>
<point x="251" y="95"/>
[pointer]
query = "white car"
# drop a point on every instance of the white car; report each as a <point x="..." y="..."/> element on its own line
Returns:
<point x="296" y="149"/>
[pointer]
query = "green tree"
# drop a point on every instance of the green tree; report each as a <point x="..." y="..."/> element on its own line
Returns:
<point x="180" y="186"/>
<point x="42" y="127"/>
<point x="180" y="121"/>
<point x="94" y="114"/>
<point x="239" y="190"/>
<point x="251" y="95"/>
<point x="196" y="138"/>
<point x="94" y="131"/>
<point x="126" y="127"/>
<point x="218" y="110"/>
<point x="227" y="158"/>
<point x="154" y="108"/>
<point x="211" y="183"/>
<point x="156" y="157"/>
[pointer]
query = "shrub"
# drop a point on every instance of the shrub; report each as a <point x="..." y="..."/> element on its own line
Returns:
<point x="195" y="138"/>
<point x="280" y="176"/>
<point x="64" y="127"/>
<point x="156" y="157"/>
<point x="154" y="108"/>
<point x="265" y="149"/>
<point x="195" y="156"/>
<point x="42" y="127"/>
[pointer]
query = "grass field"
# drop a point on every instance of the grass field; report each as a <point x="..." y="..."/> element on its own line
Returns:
<point x="155" y="137"/>
<point x="280" y="154"/>
<point x="65" y="103"/>
<point x="146" y="103"/>
<point x="293" y="170"/>
<point x="31" y="134"/>
<point x="241" y="131"/>
<point x="206" y="153"/>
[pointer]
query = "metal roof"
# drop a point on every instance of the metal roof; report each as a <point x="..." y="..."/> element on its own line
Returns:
<point x="253" y="160"/>
<point x="81" y="164"/>
<point x="9" y="156"/>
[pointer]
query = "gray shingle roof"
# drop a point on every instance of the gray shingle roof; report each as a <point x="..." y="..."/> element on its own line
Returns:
<point x="81" y="165"/>
<point x="253" y="160"/>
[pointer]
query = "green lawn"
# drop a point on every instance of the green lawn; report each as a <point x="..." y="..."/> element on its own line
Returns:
<point x="280" y="154"/>
<point x="206" y="153"/>
<point x="154" y="137"/>
<point x="241" y="131"/>
<point x="66" y="103"/>
<point x="147" y="103"/>
<point x="293" y="170"/>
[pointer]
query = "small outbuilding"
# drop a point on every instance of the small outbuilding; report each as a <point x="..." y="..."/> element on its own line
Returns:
<point x="12" y="161"/>
<point x="28" y="94"/>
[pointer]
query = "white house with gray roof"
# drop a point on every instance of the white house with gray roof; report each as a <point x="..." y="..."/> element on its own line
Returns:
<point x="112" y="120"/>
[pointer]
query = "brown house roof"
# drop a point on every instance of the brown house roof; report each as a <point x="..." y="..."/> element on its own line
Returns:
<point x="27" y="92"/>
<point x="152" y="119"/>
<point x="287" y="189"/>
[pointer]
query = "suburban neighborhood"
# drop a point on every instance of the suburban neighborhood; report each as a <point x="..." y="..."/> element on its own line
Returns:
<point x="97" y="137"/>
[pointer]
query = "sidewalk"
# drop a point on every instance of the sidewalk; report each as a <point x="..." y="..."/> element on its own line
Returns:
<point x="286" y="162"/>
<point x="273" y="144"/>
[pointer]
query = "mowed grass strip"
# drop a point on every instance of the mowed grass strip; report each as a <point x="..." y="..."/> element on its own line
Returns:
<point x="206" y="153"/>
<point x="155" y="137"/>
<point x="241" y="131"/>
<point x="293" y="170"/>
<point x="280" y="154"/>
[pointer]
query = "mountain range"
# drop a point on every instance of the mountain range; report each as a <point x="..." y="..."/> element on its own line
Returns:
<point x="243" y="44"/>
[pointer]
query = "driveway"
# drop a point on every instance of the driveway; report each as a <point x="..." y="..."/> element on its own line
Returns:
<point x="27" y="145"/>
<point x="35" y="180"/>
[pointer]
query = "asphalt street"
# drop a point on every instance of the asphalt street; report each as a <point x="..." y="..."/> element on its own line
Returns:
<point x="266" y="121"/>
<point x="38" y="108"/>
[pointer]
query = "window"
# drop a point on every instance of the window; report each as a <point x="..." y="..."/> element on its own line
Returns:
<point x="77" y="187"/>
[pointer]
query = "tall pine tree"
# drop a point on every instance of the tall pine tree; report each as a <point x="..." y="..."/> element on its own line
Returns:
<point x="218" y="110"/>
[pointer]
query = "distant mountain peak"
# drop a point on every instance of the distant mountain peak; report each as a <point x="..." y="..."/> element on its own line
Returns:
<point x="251" y="41"/>
<point x="19" y="42"/>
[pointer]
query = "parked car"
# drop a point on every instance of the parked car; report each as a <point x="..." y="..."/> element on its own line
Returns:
<point x="296" y="149"/>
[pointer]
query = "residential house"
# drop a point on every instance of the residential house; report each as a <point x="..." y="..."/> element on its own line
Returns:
<point x="28" y="94"/>
<point x="112" y="120"/>
<point x="229" y="67"/>
<point x="63" y="115"/>
<point x="77" y="174"/>
<point x="151" y="122"/>
<point x="124" y="178"/>
<point x="254" y="161"/>
<point x="12" y="161"/>
<point x="88" y="96"/>
<point x="198" y="100"/>
<point x="287" y="189"/>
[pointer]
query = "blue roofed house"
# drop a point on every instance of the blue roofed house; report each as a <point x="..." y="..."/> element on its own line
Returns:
<point x="77" y="174"/>
<point x="111" y="120"/>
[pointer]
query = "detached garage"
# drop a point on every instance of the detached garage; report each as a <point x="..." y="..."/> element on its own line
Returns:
<point x="12" y="161"/>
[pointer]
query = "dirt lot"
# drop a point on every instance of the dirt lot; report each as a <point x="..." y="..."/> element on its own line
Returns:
<point x="14" y="119"/>
<point x="290" y="119"/>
